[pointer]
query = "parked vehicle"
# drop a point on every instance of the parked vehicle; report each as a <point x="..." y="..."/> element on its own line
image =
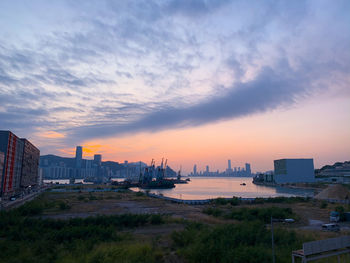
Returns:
<point x="289" y="220"/>
<point x="334" y="217"/>
<point x="331" y="227"/>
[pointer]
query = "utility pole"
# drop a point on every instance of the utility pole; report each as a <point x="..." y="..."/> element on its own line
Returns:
<point x="272" y="242"/>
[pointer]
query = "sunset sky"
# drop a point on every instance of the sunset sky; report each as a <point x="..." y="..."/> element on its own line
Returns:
<point x="194" y="81"/>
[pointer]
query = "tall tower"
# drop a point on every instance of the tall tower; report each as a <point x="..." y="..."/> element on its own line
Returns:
<point x="229" y="164"/>
<point x="247" y="169"/>
<point x="78" y="156"/>
<point x="207" y="169"/>
<point x="195" y="169"/>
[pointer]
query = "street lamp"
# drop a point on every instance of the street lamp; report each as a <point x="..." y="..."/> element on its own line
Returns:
<point x="272" y="242"/>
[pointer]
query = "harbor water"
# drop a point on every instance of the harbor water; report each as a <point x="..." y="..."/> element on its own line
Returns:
<point x="213" y="187"/>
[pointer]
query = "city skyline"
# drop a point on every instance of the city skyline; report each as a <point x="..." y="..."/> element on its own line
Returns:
<point x="193" y="81"/>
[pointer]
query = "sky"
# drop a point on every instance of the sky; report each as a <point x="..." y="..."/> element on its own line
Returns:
<point x="193" y="81"/>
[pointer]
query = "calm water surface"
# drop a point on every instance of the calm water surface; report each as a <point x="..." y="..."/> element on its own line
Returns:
<point x="206" y="188"/>
<point x="213" y="187"/>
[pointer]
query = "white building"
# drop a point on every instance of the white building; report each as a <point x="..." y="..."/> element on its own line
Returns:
<point x="294" y="171"/>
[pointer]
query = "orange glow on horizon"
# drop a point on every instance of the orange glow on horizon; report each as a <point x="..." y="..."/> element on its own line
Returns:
<point x="257" y="139"/>
<point x="52" y="135"/>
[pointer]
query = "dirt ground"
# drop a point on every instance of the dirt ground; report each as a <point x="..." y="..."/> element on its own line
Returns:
<point x="310" y="215"/>
<point x="113" y="203"/>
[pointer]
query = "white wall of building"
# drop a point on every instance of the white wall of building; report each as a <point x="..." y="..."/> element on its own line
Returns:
<point x="294" y="171"/>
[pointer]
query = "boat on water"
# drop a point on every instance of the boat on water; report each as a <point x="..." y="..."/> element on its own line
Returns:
<point x="243" y="184"/>
<point x="158" y="184"/>
<point x="178" y="179"/>
<point x="147" y="181"/>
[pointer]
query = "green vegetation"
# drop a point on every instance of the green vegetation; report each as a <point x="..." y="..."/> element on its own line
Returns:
<point x="213" y="211"/>
<point x="282" y="199"/>
<point x="261" y="214"/>
<point x="251" y="214"/>
<point x="239" y="243"/>
<point x="24" y="238"/>
<point x="324" y="204"/>
<point x="224" y="201"/>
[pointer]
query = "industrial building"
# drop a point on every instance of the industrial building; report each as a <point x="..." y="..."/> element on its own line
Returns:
<point x="19" y="164"/>
<point x="294" y="171"/>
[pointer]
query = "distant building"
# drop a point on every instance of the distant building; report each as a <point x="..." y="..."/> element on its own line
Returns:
<point x="294" y="171"/>
<point x="336" y="173"/>
<point x="247" y="169"/>
<point x="195" y="169"/>
<point x="98" y="159"/>
<point x="19" y="161"/>
<point x="78" y="157"/>
<point x="207" y="169"/>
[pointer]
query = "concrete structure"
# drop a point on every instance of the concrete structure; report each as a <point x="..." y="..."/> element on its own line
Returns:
<point x="30" y="164"/>
<point x="19" y="161"/>
<point x="315" y="250"/>
<point x="12" y="147"/>
<point x="294" y="171"/>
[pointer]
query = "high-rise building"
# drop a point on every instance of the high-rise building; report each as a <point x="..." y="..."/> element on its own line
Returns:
<point x="98" y="159"/>
<point x="19" y="163"/>
<point x="207" y="169"/>
<point x="30" y="164"/>
<point x="12" y="147"/>
<point x="247" y="169"/>
<point x="2" y="162"/>
<point x="195" y="169"/>
<point x="229" y="165"/>
<point x="78" y="156"/>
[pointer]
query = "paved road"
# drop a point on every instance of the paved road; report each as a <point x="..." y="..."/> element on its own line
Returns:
<point x="6" y="205"/>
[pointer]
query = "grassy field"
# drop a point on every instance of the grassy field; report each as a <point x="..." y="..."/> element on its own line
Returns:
<point x="132" y="227"/>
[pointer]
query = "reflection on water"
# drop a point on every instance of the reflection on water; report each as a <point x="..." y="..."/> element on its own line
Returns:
<point x="213" y="187"/>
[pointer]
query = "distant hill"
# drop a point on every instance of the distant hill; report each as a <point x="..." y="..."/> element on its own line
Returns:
<point x="335" y="165"/>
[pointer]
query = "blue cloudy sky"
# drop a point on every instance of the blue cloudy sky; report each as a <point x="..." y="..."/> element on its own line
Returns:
<point x="77" y="71"/>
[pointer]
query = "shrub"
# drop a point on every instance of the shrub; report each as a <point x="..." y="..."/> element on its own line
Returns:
<point x="244" y="242"/>
<point x="81" y="198"/>
<point x="92" y="197"/>
<point x="63" y="205"/>
<point x="220" y="201"/>
<point x="262" y="214"/>
<point x="27" y="239"/>
<point x="139" y="193"/>
<point x="156" y="219"/>
<point x="213" y="211"/>
<point x="235" y="201"/>
<point x="324" y="205"/>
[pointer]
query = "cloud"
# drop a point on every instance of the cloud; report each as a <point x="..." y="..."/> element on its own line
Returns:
<point x="194" y="8"/>
<point x="271" y="89"/>
<point x="117" y="67"/>
<point x="51" y="135"/>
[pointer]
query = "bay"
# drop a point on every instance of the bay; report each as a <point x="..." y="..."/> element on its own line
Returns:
<point x="200" y="188"/>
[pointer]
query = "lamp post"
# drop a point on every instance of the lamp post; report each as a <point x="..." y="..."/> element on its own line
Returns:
<point x="272" y="242"/>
